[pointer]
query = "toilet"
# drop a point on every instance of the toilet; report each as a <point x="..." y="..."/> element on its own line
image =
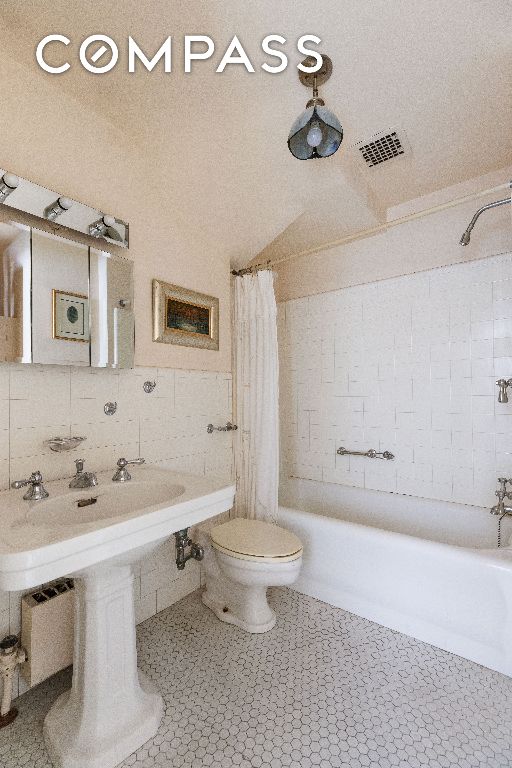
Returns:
<point x="242" y="559"/>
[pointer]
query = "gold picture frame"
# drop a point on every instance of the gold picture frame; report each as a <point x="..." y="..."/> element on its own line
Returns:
<point x="184" y="317"/>
<point x="70" y="316"/>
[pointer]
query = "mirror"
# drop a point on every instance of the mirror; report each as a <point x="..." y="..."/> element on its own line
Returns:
<point x="24" y="195"/>
<point x="63" y="303"/>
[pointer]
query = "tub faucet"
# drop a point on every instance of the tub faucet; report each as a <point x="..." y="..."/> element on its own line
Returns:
<point x="501" y="508"/>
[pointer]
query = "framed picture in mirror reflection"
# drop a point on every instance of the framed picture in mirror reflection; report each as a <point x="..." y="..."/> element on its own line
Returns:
<point x="70" y="316"/>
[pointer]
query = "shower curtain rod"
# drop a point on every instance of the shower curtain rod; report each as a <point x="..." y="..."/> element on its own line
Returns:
<point x="379" y="228"/>
<point x="249" y="270"/>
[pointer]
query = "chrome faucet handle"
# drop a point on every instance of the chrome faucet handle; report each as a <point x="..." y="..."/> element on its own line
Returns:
<point x="122" y="475"/>
<point x="503" y="385"/>
<point x="501" y="492"/>
<point x="37" y="491"/>
<point x="123" y="462"/>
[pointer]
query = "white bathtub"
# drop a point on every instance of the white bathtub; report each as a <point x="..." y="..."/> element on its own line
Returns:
<point x="429" y="569"/>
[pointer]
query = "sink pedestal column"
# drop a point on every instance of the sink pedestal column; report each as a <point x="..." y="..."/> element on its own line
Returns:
<point x="112" y="708"/>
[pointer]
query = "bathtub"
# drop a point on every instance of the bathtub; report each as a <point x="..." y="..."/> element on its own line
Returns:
<point x="429" y="569"/>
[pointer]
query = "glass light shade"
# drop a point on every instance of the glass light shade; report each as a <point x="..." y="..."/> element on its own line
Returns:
<point x="332" y="134"/>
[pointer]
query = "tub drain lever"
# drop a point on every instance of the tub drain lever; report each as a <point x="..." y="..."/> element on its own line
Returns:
<point x="11" y="654"/>
<point x="183" y="542"/>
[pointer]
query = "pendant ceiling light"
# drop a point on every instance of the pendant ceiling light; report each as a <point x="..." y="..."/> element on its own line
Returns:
<point x="317" y="132"/>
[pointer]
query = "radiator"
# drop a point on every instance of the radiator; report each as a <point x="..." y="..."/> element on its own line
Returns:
<point x="47" y="627"/>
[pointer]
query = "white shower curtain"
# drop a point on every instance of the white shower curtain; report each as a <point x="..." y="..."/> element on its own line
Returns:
<point x="256" y="371"/>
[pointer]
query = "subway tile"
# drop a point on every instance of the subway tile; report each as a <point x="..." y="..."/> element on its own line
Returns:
<point x="460" y="350"/>
<point x="483" y="385"/>
<point x="94" y="383"/>
<point x="502" y="289"/>
<point x="483" y="404"/>
<point x="503" y="347"/>
<point x="448" y="418"/>
<point x="502" y="367"/>
<point x="4" y="474"/>
<point x="24" y="413"/>
<point x="482" y="330"/>
<point x="481" y="348"/>
<point x="145" y="607"/>
<point x="483" y="366"/>
<point x="4" y="382"/>
<point x="440" y="352"/>
<point x="502" y="309"/>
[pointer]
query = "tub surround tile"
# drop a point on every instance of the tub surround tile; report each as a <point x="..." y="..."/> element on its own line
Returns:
<point x="417" y="357"/>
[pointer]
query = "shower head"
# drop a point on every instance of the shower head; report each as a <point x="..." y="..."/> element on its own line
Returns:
<point x="466" y="237"/>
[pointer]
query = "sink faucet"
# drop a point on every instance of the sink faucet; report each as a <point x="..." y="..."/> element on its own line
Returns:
<point x="501" y="508"/>
<point x="37" y="491"/>
<point x="83" y="479"/>
<point x="122" y="475"/>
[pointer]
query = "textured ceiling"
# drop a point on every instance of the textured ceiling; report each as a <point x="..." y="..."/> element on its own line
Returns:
<point x="440" y="71"/>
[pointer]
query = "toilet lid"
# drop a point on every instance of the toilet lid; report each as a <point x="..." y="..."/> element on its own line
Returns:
<point x="254" y="539"/>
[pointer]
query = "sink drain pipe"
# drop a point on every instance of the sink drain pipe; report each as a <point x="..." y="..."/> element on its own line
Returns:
<point x="182" y="543"/>
<point x="11" y="654"/>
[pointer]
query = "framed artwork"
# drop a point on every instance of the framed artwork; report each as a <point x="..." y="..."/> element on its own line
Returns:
<point x="70" y="316"/>
<point x="184" y="317"/>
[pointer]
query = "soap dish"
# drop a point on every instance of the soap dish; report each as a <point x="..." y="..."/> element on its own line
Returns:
<point x="64" y="443"/>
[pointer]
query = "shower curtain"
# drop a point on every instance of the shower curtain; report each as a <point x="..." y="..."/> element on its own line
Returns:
<point x="256" y="393"/>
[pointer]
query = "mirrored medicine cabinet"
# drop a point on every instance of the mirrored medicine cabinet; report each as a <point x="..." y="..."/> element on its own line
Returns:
<point x="62" y="302"/>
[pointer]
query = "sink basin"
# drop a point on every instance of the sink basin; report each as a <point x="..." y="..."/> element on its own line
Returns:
<point x="44" y="540"/>
<point x="101" y="503"/>
<point x="95" y="535"/>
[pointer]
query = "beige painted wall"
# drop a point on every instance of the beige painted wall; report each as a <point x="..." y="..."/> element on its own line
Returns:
<point x="424" y="243"/>
<point x="51" y="139"/>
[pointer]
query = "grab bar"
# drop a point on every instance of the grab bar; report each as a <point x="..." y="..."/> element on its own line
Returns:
<point x="370" y="454"/>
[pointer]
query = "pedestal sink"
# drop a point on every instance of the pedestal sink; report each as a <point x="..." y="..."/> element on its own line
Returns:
<point x="96" y="535"/>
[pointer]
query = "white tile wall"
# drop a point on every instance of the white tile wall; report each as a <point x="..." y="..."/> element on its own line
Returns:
<point x="407" y="365"/>
<point x="167" y="427"/>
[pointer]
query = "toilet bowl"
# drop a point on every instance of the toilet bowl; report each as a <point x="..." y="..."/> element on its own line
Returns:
<point x="242" y="559"/>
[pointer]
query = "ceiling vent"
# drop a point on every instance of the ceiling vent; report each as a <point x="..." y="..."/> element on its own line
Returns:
<point x="382" y="147"/>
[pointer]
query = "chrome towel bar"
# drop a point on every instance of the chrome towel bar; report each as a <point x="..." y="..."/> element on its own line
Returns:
<point x="370" y="454"/>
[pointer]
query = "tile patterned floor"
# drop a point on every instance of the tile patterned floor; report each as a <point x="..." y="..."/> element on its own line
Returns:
<point x="324" y="688"/>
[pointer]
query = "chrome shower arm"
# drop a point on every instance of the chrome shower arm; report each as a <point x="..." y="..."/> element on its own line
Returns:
<point x="467" y="233"/>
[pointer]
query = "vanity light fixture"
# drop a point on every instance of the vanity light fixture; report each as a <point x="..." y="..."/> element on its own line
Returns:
<point x="60" y="206"/>
<point x="104" y="227"/>
<point x="317" y="132"/>
<point x="8" y="183"/>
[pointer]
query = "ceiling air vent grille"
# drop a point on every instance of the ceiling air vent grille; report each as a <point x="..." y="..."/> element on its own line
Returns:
<point x="381" y="148"/>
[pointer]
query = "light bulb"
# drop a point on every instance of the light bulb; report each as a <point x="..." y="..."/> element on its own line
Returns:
<point x="11" y="180"/>
<point x="65" y="203"/>
<point x="109" y="221"/>
<point x="314" y="137"/>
